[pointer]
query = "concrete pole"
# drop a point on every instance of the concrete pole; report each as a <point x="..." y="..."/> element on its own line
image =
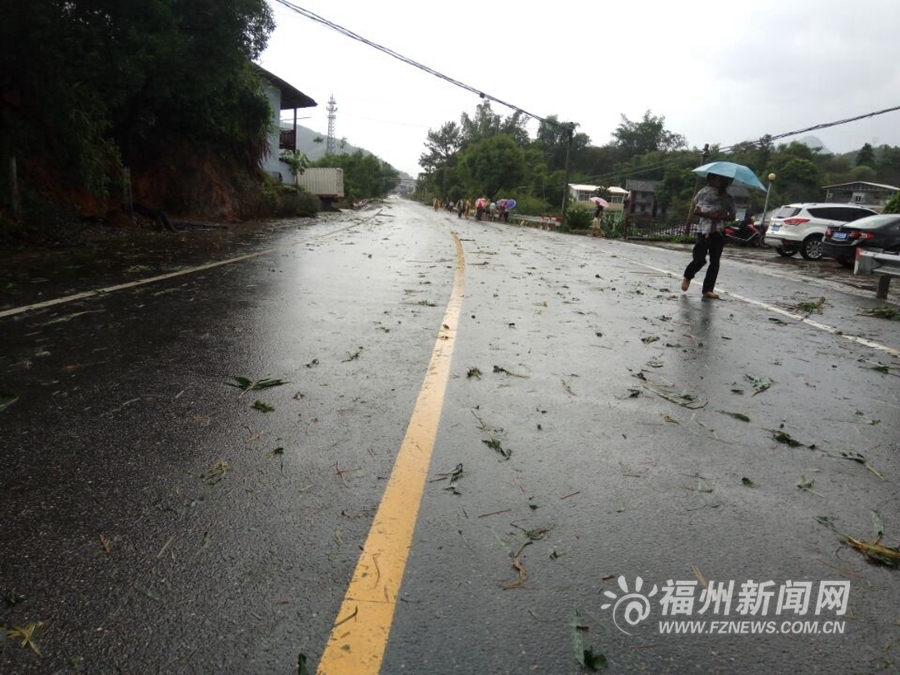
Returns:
<point x="14" y="189"/>
<point x="570" y="132"/>
<point x="127" y="199"/>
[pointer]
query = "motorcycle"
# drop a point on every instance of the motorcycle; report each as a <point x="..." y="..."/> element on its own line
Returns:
<point x="745" y="234"/>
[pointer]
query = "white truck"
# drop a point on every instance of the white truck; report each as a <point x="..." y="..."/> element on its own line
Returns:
<point x="325" y="183"/>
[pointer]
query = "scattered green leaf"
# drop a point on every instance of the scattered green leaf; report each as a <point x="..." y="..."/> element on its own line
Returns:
<point x="11" y="599"/>
<point x="352" y="356"/>
<point x="858" y="458"/>
<point x="888" y="556"/>
<point x="861" y="416"/>
<point x="585" y="657"/>
<point x="782" y="437"/>
<point x="806" y="484"/>
<point x="884" y="313"/>
<point x="810" y="306"/>
<point x="216" y="472"/>
<point x="738" y="416"/>
<point x="262" y="407"/>
<point x="760" y="384"/>
<point x="245" y="384"/>
<point x="500" y="369"/>
<point x="748" y="482"/>
<point x="494" y="444"/>
<point x="25" y="634"/>
<point x="878" y="522"/>
<point x="594" y="662"/>
<point x="7" y="399"/>
<point x="474" y="372"/>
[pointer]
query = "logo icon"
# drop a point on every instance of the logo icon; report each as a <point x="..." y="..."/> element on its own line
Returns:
<point x="635" y="605"/>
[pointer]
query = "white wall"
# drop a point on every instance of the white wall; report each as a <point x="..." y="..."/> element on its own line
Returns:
<point x="270" y="163"/>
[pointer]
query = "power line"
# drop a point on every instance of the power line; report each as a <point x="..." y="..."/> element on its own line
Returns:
<point x="760" y="141"/>
<point x="815" y="127"/>
<point x="390" y="52"/>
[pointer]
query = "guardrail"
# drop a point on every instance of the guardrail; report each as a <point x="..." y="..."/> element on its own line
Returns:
<point x="884" y="265"/>
<point x="543" y="222"/>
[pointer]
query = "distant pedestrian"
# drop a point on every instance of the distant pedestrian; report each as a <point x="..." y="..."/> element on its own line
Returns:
<point x="480" y="207"/>
<point x="460" y="207"/>
<point x="597" y="222"/>
<point x="437" y="204"/>
<point x="468" y="210"/>
<point x="714" y="206"/>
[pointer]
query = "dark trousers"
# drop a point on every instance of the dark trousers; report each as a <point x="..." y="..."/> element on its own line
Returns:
<point x="711" y="245"/>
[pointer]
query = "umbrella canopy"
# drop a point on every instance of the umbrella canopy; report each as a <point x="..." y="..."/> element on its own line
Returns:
<point x="503" y="203"/>
<point x="511" y="204"/>
<point x="480" y="203"/>
<point x="740" y="174"/>
<point x="600" y="201"/>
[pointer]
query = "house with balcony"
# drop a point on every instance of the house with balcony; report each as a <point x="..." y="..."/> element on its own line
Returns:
<point x="282" y="96"/>
<point x="643" y="202"/>
<point x="581" y="194"/>
<point x="873" y="195"/>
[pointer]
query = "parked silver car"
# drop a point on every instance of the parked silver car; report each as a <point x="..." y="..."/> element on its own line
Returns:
<point x="800" y="227"/>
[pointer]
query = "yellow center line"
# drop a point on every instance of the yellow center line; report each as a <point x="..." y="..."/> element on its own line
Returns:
<point x="360" y="633"/>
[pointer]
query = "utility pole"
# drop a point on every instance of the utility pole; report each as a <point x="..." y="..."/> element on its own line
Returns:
<point x="332" y="115"/>
<point x="14" y="189"/>
<point x="704" y="155"/>
<point x="570" y="133"/>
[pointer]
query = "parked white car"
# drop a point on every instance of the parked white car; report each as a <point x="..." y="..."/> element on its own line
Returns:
<point x="800" y="227"/>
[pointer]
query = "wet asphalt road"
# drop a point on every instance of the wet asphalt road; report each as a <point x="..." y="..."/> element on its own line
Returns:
<point x="156" y="522"/>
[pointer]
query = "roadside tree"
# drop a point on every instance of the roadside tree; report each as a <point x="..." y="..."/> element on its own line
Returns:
<point x="493" y="164"/>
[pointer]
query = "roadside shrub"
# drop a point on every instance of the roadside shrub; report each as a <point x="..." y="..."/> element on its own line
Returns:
<point x="893" y="205"/>
<point x="579" y="218"/>
<point x="295" y="203"/>
<point x="613" y="225"/>
<point x="531" y="206"/>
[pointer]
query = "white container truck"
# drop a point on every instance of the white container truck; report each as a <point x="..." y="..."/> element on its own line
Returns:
<point x="325" y="183"/>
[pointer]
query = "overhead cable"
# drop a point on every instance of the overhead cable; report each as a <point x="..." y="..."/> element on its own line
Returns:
<point x="390" y="52"/>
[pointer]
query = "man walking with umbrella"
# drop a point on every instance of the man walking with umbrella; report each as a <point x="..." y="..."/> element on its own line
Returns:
<point x="715" y="207"/>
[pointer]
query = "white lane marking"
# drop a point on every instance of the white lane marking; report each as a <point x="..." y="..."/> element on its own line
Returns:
<point x="784" y="312"/>
<point x="162" y="277"/>
<point x="131" y="284"/>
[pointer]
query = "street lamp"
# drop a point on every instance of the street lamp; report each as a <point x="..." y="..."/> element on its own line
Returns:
<point x="771" y="177"/>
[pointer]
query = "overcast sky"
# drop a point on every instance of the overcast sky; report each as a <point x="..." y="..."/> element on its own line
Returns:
<point x="719" y="72"/>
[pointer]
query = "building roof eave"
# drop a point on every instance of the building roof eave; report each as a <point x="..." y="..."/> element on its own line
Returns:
<point x="291" y="97"/>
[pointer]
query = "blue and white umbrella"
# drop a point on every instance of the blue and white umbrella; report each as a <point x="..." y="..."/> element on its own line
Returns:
<point x="738" y="173"/>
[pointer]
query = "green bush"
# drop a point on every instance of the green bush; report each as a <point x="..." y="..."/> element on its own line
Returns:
<point x="893" y="205"/>
<point x="579" y="218"/>
<point x="613" y="225"/>
<point x="295" y="203"/>
<point x="531" y="206"/>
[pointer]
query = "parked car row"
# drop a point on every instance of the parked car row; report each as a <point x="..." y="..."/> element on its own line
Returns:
<point x="881" y="232"/>
<point x="801" y="227"/>
<point x="829" y="230"/>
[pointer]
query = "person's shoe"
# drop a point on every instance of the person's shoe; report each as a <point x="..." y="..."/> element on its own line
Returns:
<point x="711" y="295"/>
<point x="685" y="284"/>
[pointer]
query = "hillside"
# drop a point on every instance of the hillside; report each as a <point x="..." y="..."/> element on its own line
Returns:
<point x="306" y="143"/>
